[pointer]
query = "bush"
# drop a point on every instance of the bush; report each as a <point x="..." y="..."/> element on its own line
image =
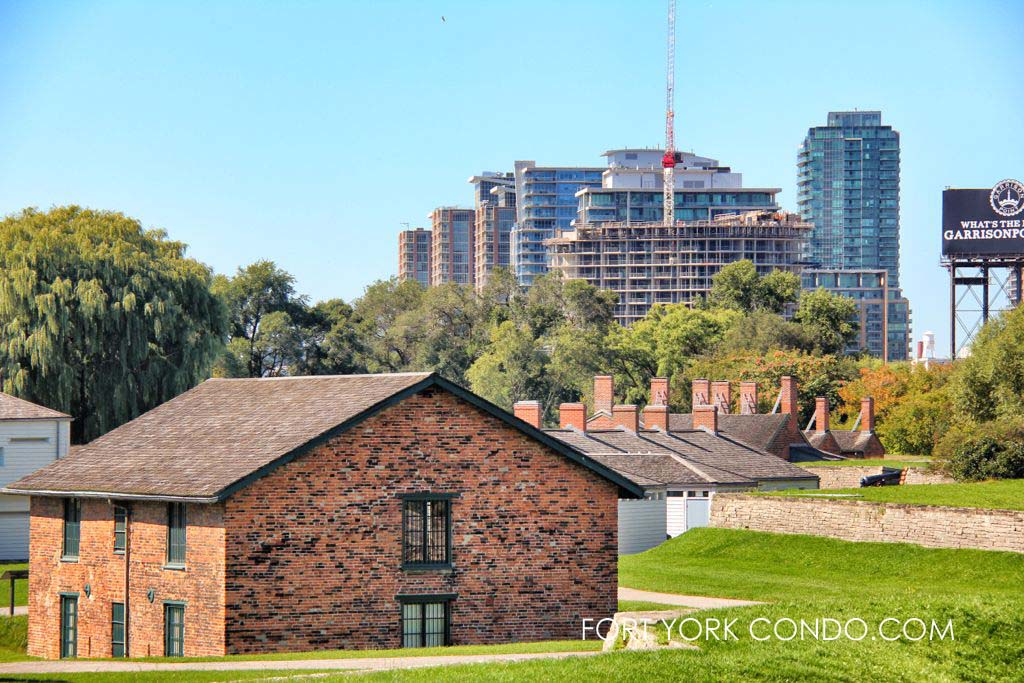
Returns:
<point x="993" y="450"/>
<point x="913" y="425"/>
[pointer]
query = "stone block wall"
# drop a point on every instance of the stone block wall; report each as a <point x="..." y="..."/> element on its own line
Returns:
<point x="854" y="520"/>
<point x="842" y="477"/>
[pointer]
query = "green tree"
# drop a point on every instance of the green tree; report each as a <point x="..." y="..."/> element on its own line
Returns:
<point x="385" y="317"/>
<point x="329" y="339"/>
<point x="989" y="384"/>
<point x="828" y="319"/>
<point x="738" y="286"/>
<point x="762" y="332"/>
<point x="265" y="315"/>
<point x="915" y="423"/>
<point x="100" y="318"/>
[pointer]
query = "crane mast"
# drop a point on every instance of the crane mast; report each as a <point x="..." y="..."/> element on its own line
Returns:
<point x="668" y="162"/>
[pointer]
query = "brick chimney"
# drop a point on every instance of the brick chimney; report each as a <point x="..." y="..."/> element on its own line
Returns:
<point x="656" y="417"/>
<point x="626" y="416"/>
<point x="700" y="394"/>
<point x="604" y="393"/>
<point x="706" y="417"/>
<point x="529" y="412"/>
<point x="748" y="398"/>
<point x="790" y="404"/>
<point x="721" y="396"/>
<point x="821" y="414"/>
<point x="659" y="391"/>
<point x="867" y="414"/>
<point x="572" y="415"/>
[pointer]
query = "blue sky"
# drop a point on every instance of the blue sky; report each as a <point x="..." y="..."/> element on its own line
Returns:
<point x="308" y="132"/>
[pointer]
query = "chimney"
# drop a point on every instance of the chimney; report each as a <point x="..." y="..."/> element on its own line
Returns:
<point x="790" y="400"/>
<point x="528" y="411"/>
<point x="604" y="393"/>
<point x="821" y="414"/>
<point x="706" y="417"/>
<point x="701" y="393"/>
<point x="626" y="416"/>
<point x="656" y="417"/>
<point x="867" y="414"/>
<point x="572" y="415"/>
<point x="659" y="391"/>
<point x="721" y="396"/>
<point x="748" y="398"/>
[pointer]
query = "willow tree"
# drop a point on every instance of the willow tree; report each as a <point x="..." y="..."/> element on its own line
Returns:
<point x="100" y="318"/>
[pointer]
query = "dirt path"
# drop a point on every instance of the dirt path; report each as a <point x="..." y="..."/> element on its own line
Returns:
<point x="697" y="601"/>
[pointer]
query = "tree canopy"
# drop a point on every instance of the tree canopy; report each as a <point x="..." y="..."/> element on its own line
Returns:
<point x="100" y="318"/>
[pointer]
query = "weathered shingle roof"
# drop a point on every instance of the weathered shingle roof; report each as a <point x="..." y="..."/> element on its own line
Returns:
<point x="211" y="439"/>
<point x="761" y="430"/>
<point x="680" y="457"/>
<point x="853" y="442"/>
<point x="14" y="408"/>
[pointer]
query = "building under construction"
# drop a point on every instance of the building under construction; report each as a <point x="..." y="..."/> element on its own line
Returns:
<point x="652" y="263"/>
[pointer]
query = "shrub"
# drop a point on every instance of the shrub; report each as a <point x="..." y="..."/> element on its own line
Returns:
<point x="914" y="424"/>
<point x="993" y="450"/>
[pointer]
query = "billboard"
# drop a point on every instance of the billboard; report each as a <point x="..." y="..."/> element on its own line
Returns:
<point x="984" y="222"/>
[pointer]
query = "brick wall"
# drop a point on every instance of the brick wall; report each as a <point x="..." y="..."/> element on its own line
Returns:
<point x="851" y="520"/>
<point x="842" y="477"/>
<point x="315" y="546"/>
<point x="200" y="584"/>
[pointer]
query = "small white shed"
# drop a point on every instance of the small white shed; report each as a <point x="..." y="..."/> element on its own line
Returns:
<point x="31" y="437"/>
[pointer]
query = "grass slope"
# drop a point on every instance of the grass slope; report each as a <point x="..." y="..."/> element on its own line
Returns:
<point x="872" y="462"/>
<point x="20" y="587"/>
<point x="1005" y="494"/>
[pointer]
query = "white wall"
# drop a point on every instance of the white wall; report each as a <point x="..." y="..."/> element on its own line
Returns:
<point x="27" y="446"/>
<point x="641" y="525"/>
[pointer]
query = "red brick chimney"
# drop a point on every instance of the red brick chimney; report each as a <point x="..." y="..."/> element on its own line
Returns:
<point x="529" y="412"/>
<point x="656" y="417"/>
<point x="821" y="414"/>
<point x="748" y="398"/>
<point x="706" y="417"/>
<point x="790" y="401"/>
<point x="626" y="416"/>
<point x="659" y="391"/>
<point x="721" y="396"/>
<point x="572" y="415"/>
<point x="867" y="414"/>
<point x="700" y="393"/>
<point x="604" y="393"/>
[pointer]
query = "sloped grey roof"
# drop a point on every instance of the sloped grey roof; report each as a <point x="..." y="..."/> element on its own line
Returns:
<point x="761" y="430"/>
<point x="14" y="408"/>
<point x="218" y="436"/>
<point x="853" y="442"/>
<point x="680" y="458"/>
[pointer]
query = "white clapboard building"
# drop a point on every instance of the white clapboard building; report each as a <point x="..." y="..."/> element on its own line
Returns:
<point x="31" y="436"/>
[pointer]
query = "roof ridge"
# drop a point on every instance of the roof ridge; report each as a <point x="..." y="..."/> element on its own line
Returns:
<point x="424" y="373"/>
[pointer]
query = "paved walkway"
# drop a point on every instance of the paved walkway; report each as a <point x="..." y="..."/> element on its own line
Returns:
<point x="356" y="664"/>
<point x="698" y="601"/>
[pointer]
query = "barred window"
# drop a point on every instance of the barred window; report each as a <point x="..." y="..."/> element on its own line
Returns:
<point x="72" y="527"/>
<point x="120" y="525"/>
<point x="425" y="624"/>
<point x="176" y="534"/>
<point x="426" y="527"/>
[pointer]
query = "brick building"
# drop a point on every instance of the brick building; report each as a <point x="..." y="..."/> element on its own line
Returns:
<point x="292" y="514"/>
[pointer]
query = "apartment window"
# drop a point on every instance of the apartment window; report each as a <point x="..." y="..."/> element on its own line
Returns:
<point x="176" y="535"/>
<point x="117" y="630"/>
<point x="426" y="530"/>
<point x="426" y="621"/>
<point x="174" y="629"/>
<point x="72" y="527"/>
<point x="120" y="527"/>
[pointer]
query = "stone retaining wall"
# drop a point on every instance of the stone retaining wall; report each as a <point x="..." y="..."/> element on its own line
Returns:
<point x="920" y="475"/>
<point x="842" y="477"/>
<point x="854" y="520"/>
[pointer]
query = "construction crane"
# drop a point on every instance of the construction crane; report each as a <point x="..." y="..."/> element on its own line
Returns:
<point x="668" y="162"/>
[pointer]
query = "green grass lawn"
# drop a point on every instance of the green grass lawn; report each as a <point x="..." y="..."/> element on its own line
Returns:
<point x="20" y="587"/>
<point x="867" y="462"/>
<point x="1006" y="494"/>
<point x="801" y="577"/>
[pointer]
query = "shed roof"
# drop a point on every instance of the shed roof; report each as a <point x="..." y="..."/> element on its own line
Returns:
<point x="14" y="408"/>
